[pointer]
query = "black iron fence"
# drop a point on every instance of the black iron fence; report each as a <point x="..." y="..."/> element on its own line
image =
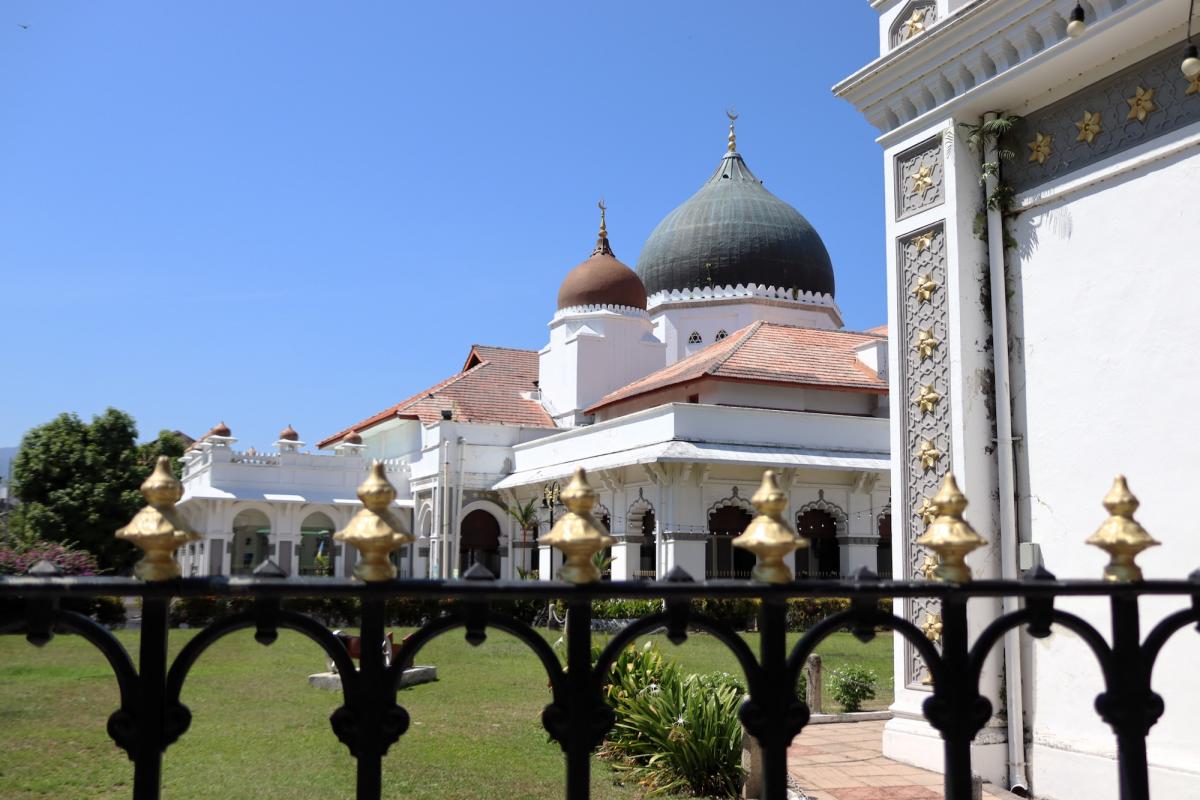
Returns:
<point x="370" y="721"/>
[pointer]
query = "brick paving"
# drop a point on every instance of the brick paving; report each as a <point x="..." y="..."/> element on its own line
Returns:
<point x="844" y="761"/>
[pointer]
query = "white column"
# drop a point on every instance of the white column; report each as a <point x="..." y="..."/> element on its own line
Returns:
<point x="626" y="556"/>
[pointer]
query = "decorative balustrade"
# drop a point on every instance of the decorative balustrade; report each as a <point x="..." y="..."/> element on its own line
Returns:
<point x="151" y="716"/>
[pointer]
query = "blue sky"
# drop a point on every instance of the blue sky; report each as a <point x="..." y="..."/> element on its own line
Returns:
<point x="300" y="212"/>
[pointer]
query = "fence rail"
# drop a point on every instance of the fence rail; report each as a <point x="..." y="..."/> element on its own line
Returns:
<point x="151" y="717"/>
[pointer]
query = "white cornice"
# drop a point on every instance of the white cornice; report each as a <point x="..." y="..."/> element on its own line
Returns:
<point x="976" y="45"/>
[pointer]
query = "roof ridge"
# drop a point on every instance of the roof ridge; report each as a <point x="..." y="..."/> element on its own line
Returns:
<point x="502" y="347"/>
<point x="749" y="331"/>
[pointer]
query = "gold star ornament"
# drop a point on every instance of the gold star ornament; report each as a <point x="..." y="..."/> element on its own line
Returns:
<point x="928" y="512"/>
<point x="923" y="180"/>
<point x="926" y="344"/>
<point x="928" y="566"/>
<point x="928" y="455"/>
<point x="914" y="25"/>
<point x="927" y="399"/>
<point x="925" y="288"/>
<point x="932" y="627"/>
<point x="1041" y="147"/>
<point x="1141" y="105"/>
<point x="1088" y="127"/>
<point x="923" y="242"/>
<point x="1194" y="85"/>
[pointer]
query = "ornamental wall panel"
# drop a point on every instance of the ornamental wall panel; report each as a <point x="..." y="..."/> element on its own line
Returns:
<point x="916" y="18"/>
<point x="920" y="180"/>
<point x="1136" y="105"/>
<point x="925" y="416"/>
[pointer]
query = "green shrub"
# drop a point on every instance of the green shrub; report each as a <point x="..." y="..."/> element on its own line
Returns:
<point x="625" y="609"/>
<point x="805" y="612"/>
<point x="851" y="685"/>
<point x="195" y="612"/>
<point x="738" y="613"/>
<point x="674" y="734"/>
<point x="108" y="611"/>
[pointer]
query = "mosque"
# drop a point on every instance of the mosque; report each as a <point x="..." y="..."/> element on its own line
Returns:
<point x="675" y="385"/>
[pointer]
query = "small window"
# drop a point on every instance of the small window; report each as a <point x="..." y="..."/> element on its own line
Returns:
<point x="695" y="338"/>
<point x="721" y="334"/>
<point x="693" y="398"/>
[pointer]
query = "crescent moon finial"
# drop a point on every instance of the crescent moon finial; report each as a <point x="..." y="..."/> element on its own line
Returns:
<point x="732" y="114"/>
<point x="603" y="225"/>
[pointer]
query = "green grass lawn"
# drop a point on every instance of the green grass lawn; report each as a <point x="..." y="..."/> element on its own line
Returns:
<point x="259" y="730"/>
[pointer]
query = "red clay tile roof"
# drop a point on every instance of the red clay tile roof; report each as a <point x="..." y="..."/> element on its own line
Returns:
<point x="487" y="390"/>
<point x="768" y="352"/>
<point x="879" y="329"/>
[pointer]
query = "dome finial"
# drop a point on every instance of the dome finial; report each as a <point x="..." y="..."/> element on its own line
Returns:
<point x="731" y="112"/>
<point x="602" y="246"/>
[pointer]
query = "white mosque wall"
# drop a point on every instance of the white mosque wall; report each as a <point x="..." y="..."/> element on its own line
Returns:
<point x="678" y="322"/>
<point x="593" y="352"/>
<point x="1101" y="283"/>
<point x="707" y="391"/>
<point x="686" y="422"/>
<point x="1105" y="268"/>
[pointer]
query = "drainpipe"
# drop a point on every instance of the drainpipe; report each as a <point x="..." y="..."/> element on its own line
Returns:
<point x="1013" y="684"/>
<point x="458" y="505"/>
<point x="444" y="522"/>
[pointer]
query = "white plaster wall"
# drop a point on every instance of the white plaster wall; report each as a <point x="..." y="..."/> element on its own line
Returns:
<point x="591" y="354"/>
<point x="753" y="395"/>
<point x="1108" y="288"/>
<point x="674" y="322"/>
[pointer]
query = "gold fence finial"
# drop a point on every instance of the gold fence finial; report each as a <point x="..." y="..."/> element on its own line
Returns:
<point x="577" y="534"/>
<point x="949" y="535"/>
<point x="375" y="531"/>
<point x="768" y="536"/>
<point x="1121" y="536"/>
<point x="158" y="529"/>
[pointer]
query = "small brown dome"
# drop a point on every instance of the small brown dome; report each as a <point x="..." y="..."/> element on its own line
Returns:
<point x="353" y="437"/>
<point x="220" y="429"/>
<point x="602" y="280"/>
<point x="289" y="434"/>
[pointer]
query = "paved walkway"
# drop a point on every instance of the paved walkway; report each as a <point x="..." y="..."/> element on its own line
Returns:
<point x="844" y="761"/>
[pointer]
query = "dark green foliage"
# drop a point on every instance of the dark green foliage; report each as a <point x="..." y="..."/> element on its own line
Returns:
<point x="740" y="614"/>
<point x="79" y="482"/>
<point x="674" y="734"/>
<point x="108" y="611"/>
<point x="851" y="685"/>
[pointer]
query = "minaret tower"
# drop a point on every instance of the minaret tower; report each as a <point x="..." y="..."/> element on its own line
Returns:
<point x="601" y="337"/>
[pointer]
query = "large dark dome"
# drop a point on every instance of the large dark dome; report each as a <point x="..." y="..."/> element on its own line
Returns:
<point x="734" y="231"/>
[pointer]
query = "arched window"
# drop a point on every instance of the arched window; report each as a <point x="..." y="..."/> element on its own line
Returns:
<point x="648" y="562"/>
<point x="479" y="542"/>
<point x="883" y="563"/>
<point x="695" y="338"/>
<point x="820" y="528"/>
<point x="250" y="542"/>
<point x="316" y="545"/>
<point x="721" y="334"/>
<point x="723" y="560"/>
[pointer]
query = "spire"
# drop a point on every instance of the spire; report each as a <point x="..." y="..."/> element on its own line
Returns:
<point x="732" y="114"/>
<point x="602" y="246"/>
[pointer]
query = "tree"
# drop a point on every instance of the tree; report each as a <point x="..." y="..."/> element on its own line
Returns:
<point x="527" y="518"/>
<point x="78" y="482"/>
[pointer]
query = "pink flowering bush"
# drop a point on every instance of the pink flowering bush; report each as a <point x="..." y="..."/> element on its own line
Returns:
<point x="16" y="558"/>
